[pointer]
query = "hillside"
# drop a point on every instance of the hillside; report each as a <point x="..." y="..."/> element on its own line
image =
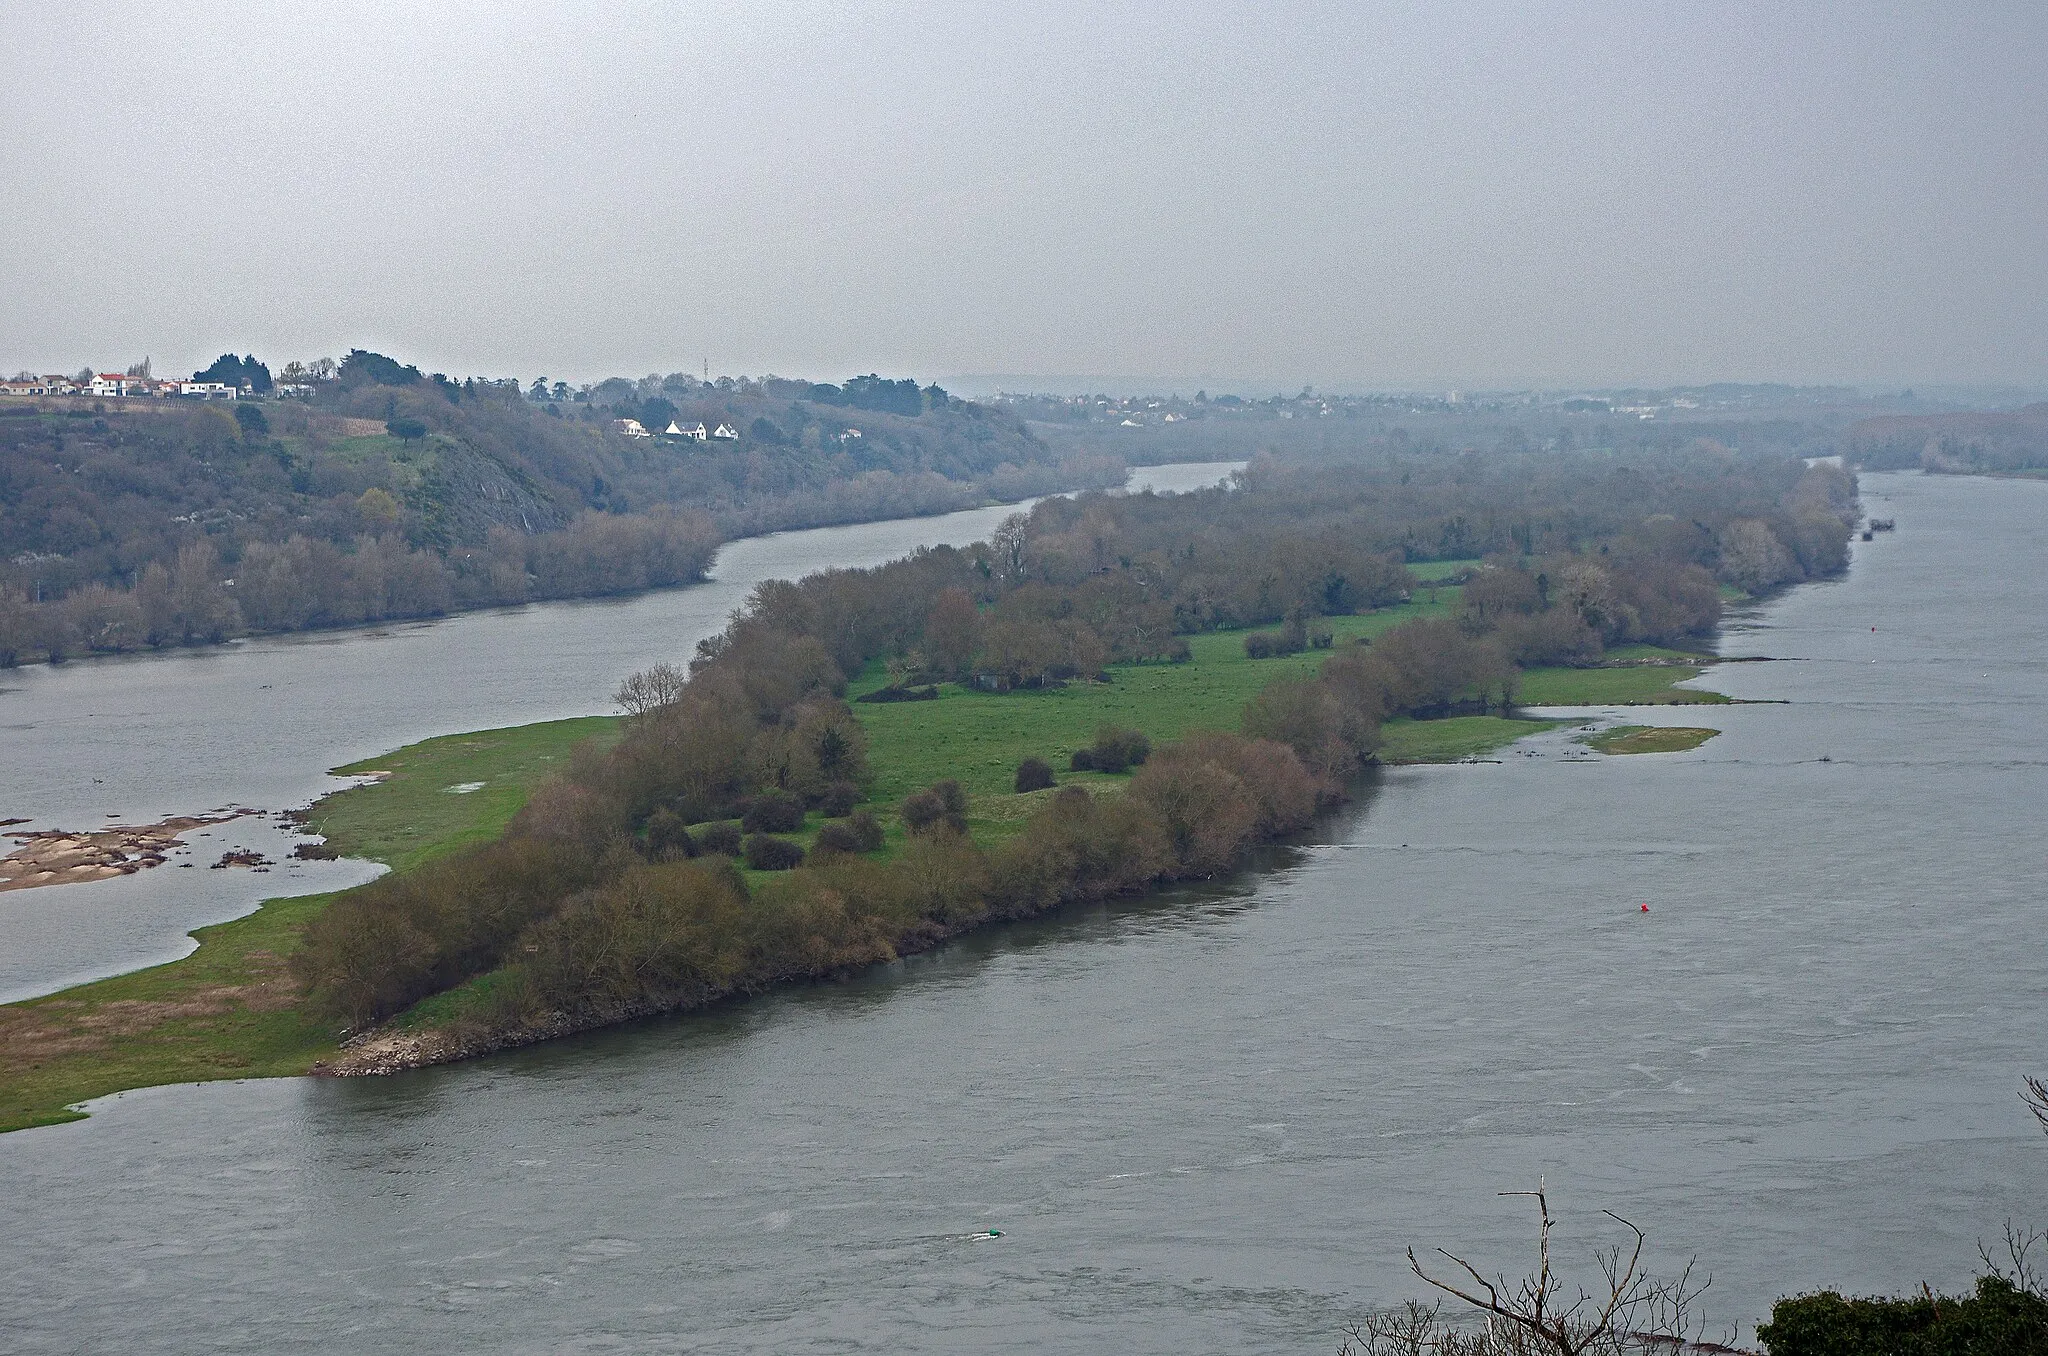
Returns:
<point x="383" y="492"/>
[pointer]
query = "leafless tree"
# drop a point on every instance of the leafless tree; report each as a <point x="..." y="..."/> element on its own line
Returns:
<point x="2036" y="1098"/>
<point x="651" y="688"/>
<point x="1629" y="1311"/>
<point x="2018" y="1266"/>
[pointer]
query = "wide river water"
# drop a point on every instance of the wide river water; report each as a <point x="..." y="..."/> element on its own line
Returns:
<point x="1212" y="1120"/>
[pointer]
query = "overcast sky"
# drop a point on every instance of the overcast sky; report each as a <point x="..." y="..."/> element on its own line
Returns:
<point x="1414" y="194"/>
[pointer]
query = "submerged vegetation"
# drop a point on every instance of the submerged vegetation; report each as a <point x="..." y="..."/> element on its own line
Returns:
<point x="1650" y="738"/>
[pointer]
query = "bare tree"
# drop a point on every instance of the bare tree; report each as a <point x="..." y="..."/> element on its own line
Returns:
<point x="1629" y="1311"/>
<point x="2036" y="1098"/>
<point x="644" y="691"/>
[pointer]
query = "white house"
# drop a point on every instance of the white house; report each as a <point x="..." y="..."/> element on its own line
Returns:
<point x="108" y="384"/>
<point x="632" y="428"/>
<point x="202" y="390"/>
<point x="727" y="432"/>
<point x="23" y="388"/>
<point x="695" y="432"/>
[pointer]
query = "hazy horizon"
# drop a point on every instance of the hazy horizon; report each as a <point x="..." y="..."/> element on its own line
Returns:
<point x="1385" y="197"/>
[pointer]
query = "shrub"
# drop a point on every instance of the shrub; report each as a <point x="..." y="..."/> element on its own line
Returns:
<point x="835" y="838"/>
<point x="384" y="946"/>
<point x="667" y="837"/>
<point x="1207" y="812"/>
<point x="1259" y="645"/>
<point x="1082" y="761"/>
<point x="867" y="830"/>
<point x="767" y="853"/>
<point x="839" y="800"/>
<point x="1998" y="1318"/>
<point x="675" y="931"/>
<point x="942" y="804"/>
<point x="1305" y="715"/>
<point x="722" y="838"/>
<point x="772" y="812"/>
<point x="1034" y="774"/>
<point x="1117" y="749"/>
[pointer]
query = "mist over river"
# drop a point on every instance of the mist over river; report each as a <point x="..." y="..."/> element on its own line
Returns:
<point x="137" y="738"/>
<point x="1209" y="1120"/>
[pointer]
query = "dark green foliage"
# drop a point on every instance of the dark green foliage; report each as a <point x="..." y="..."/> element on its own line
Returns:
<point x="237" y="372"/>
<point x="1998" y="1320"/>
<point x="768" y="853"/>
<point x="407" y="430"/>
<point x="1034" y="774"/>
<point x="673" y="932"/>
<point x="364" y="368"/>
<point x="381" y="948"/>
<point x="867" y="830"/>
<point x="839" y="800"/>
<point x="251" y="420"/>
<point x="837" y="838"/>
<point x="1114" y="750"/>
<point x="941" y="805"/>
<point x="772" y="812"/>
<point x="668" y="837"/>
<point x="722" y="838"/>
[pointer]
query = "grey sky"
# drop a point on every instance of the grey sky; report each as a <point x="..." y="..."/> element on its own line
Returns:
<point x="1475" y="195"/>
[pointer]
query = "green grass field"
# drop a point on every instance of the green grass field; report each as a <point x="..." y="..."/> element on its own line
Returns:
<point x="413" y="815"/>
<point x="980" y="737"/>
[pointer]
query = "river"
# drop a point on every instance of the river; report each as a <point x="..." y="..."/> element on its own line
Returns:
<point x="137" y="738"/>
<point x="1213" y="1120"/>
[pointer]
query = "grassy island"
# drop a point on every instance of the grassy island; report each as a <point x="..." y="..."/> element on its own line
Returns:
<point x="1650" y="738"/>
<point x="1110" y="694"/>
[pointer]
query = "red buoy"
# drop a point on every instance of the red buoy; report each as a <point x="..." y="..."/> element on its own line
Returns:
<point x="1646" y="908"/>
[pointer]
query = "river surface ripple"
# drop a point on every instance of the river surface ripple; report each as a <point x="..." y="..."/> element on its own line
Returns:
<point x="1212" y="1120"/>
<point x="138" y="738"/>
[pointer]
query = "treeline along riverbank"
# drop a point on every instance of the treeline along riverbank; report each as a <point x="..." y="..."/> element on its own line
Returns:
<point x="751" y="826"/>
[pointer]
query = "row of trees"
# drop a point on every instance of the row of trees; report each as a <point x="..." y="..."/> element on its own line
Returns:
<point x="301" y="582"/>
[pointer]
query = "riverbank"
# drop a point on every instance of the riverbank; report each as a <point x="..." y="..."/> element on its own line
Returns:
<point x="229" y="1009"/>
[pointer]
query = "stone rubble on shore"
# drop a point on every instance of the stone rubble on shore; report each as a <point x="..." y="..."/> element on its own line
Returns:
<point x="62" y="857"/>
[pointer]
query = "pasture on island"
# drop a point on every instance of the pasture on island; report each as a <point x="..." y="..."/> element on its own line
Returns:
<point x="229" y="1010"/>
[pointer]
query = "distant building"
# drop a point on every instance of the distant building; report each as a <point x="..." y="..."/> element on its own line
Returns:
<point x="108" y="384"/>
<point x="727" y="432"/>
<point x="695" y="432"/>
<point x="632" y="428"/>
<point x="23" y="388"/>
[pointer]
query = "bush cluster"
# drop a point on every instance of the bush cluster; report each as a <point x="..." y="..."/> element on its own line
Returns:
<point x="1034" y="774"/>
<point x="1114" y="750"/>
<point x="942" y="805"/>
